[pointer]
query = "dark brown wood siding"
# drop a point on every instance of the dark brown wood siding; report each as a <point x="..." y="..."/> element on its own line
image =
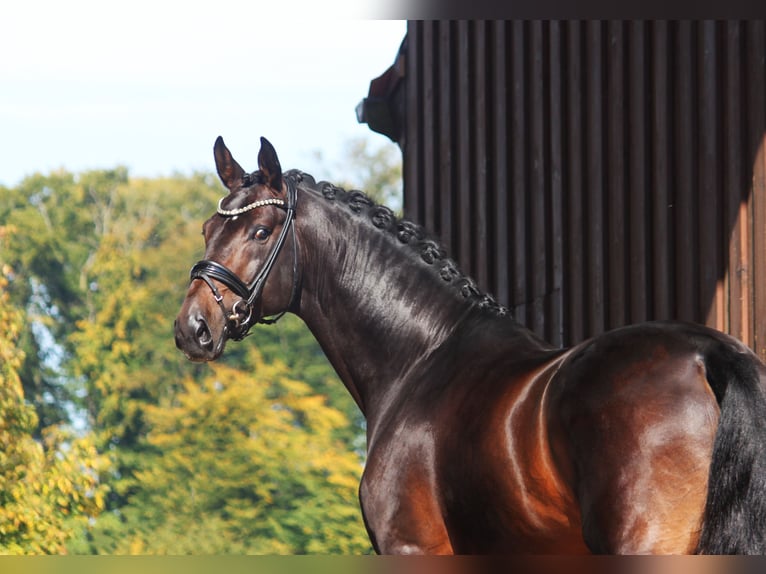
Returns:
<point x="595" y="174"/>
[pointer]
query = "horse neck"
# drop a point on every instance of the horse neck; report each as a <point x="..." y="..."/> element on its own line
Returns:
<point x="375" y="306"/>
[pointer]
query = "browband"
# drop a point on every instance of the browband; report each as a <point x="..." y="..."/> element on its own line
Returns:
<point x="248" y="207"/>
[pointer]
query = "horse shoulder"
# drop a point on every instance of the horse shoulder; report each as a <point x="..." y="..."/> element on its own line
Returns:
<point x="501" y="488"/>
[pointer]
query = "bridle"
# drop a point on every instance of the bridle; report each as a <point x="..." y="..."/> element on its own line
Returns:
<point x="239" y="319"/>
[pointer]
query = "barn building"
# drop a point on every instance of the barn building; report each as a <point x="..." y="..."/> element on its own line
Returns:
<point x="590" y="174"/>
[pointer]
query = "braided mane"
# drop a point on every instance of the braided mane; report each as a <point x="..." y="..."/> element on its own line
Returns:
<point x="418" y="242"/>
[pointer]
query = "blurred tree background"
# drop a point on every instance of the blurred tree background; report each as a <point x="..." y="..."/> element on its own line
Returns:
<point x="111" y="442"/>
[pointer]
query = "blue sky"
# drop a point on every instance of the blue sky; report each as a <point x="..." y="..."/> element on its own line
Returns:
<point x="90" y="84"/>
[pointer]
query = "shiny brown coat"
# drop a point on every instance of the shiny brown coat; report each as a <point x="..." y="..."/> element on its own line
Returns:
<point x="481" y="437"/>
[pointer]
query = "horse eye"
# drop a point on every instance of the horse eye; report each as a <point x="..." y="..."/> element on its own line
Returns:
<point x="261" y="233"/>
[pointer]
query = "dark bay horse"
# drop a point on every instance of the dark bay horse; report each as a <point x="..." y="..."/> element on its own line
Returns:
<point x="482" y="438"/>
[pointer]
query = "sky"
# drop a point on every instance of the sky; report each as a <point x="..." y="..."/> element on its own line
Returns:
<point x="149" y="85"/>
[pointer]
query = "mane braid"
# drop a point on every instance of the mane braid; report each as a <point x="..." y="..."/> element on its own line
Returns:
<point x="412" y="236"/>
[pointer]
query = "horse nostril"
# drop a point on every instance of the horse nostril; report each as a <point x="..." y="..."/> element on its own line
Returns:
<point x="204" y="337"/>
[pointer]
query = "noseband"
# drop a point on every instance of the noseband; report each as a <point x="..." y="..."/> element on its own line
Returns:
<point x="239" y="319"/>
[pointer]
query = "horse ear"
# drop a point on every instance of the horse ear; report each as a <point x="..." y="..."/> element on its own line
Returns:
<point x="268" y="163"/>
<point x="229" y="170"/>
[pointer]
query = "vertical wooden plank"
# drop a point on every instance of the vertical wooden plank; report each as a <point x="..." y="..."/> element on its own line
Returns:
<point x="594" y="231"/>
<point x="759" y="237"/>
<point x="412" y="156"/>
<point x="637" y="201"/>
<point x="756" y="110"/>
<point x="464" y="144"/>
<point x="735" y="186"/>
<point x="616" y="227"/>
<point x="446" y="123"/>
<point x="687" y="280"/>
<point x="662" y="205"/>
<point x="574" y="329"/>
<point x="430" y="134"/>
<point x="480" y="230"/>
<point x="500" y="161"/>
<point x="554" y="331"/>
<point x="537" y="168"/>
<point x="519" y="179"/>
<point x="711" y="297"/>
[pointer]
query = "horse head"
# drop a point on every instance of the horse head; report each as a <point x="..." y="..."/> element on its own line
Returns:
<point x="247" y="274"/>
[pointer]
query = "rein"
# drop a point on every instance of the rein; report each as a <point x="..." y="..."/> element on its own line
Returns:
<point x="239" y="319"/>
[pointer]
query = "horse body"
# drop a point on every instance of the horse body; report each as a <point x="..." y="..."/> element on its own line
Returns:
<point x="545" y="451"/>
<point x="482" y="438"/>
<point x="473" y="436"/>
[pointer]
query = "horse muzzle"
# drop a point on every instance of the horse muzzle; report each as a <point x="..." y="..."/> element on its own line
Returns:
<point x="196" y="339"/>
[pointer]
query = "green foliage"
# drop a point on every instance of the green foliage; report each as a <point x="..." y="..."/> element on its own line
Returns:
<point x="48" y="490"/>
<point x="253" y="458"/>
<point x="237" y="457"/>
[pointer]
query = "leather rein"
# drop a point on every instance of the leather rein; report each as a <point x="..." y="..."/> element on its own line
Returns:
<point x="239" y="319"/>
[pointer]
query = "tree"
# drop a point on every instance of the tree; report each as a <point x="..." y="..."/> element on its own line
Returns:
<point x="49" y="490"/>
<point x="46" y="265"/>
<point x="101" y="265"/>
<point x="253" y="457"/>
<point x="107" y="259"/>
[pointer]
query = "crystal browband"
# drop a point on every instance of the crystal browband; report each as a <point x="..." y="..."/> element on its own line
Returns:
<point x="248" y="207"/>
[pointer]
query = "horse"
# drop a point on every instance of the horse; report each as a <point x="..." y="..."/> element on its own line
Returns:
<point x="482" y="438"/>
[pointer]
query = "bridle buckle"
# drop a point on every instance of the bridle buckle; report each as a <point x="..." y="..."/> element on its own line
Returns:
<point x="240" y="316"/>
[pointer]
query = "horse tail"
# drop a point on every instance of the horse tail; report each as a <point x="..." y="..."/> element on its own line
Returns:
<point x="734" y="520"/>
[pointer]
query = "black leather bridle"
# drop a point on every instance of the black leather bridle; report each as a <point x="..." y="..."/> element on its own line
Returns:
<point x="239" y="319"/>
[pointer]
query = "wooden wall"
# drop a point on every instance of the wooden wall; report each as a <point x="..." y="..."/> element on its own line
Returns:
<point x="594" y="174"/>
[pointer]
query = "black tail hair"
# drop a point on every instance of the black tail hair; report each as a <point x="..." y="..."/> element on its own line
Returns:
<point x="734" y="521"/>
